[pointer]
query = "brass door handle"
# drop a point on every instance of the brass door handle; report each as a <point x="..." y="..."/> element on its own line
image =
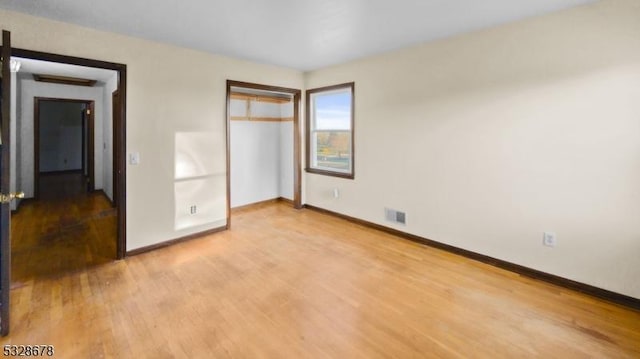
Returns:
<point x="6" y="198"/>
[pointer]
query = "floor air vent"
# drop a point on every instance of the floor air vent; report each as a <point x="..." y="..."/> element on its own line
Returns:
<point x="395" y="216"/>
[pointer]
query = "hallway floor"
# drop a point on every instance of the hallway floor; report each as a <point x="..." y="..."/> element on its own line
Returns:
<point x="66" y="230"/>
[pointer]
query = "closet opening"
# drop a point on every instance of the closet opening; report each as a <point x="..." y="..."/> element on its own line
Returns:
<point x="263" y="145"/>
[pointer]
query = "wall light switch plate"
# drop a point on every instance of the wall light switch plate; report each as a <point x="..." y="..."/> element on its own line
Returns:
<point x="134" y="158"/>
<point x="549" y="239"/>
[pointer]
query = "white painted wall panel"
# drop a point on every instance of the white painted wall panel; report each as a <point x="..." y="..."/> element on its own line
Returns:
<point x="286" y="110"/>
<point x="170" y="89"/>
<point x="265" y="109"/>
<point x="262" y="155"/>
<point x="207" y="211"/>
<point x="192" y="151"/>
<point x="238" y="107"/>
<point x="489" y="139"/>
<point x="13" y="125"/>
<point x="255" y="161"/>
<point x="107" y="144"/>
<point x="286" y="159"/>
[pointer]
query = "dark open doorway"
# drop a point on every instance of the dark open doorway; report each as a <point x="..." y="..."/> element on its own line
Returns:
<point x="119" y="132"/>
<point x="70" y="202"/>
<point x="119" y="220"/>
<point x="63" y="139"/>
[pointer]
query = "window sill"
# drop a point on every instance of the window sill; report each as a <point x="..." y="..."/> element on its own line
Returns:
<point x="330" y="173"/>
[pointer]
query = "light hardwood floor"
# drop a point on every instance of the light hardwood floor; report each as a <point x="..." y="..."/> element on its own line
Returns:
<point x="299" y="284"/>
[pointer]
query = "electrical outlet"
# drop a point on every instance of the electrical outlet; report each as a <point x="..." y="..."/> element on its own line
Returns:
<point x="134" y="158"/>
<point x="193" y="209"/>
<point x="549" y="239"/>
<point x="336" y="193"/>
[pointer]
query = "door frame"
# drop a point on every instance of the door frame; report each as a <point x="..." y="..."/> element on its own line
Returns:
<point x="90" y="141"/>
<point x="119" y="149"/>
<point x="115" y="138"/>
<point x="5" y="217"/>
<point x="297" y="139"/>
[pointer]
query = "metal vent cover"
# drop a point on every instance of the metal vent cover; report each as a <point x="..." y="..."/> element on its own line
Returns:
<point x="395" y="216"/>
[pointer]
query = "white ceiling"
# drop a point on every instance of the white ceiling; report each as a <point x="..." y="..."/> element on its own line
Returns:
<point x="300" y="34"/>
<point x="29" y="66"/>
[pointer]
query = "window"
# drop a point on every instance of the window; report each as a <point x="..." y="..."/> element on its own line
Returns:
<point x="330" y="130"/>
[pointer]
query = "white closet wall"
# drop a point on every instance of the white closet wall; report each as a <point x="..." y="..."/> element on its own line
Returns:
<point x="286" y="151"/>
<point x="261" y="151"/>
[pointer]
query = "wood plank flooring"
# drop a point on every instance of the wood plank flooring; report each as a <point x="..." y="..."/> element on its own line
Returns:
<point x="66" y="230"/>
<point x="299" y="284"/>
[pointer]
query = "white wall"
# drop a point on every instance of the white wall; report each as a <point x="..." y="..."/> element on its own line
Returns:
<point x="60" y="136"/>
<point x="13" y="113"/>
<point x="286" y="152"/>
<point x="30" y="89"/>
<point x="490" y="138"/>
<point x="194" y="177"/>
<point x="261" y="153"/>
<point x="255" y="161"/>
<point x="107" y="137"/>
<point x="170" y="90"/>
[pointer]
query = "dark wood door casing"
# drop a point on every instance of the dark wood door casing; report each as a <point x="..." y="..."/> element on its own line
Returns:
<point x="115" y="115"/>
<point x="5" y="183"/>
<point x="120" y="147"/>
